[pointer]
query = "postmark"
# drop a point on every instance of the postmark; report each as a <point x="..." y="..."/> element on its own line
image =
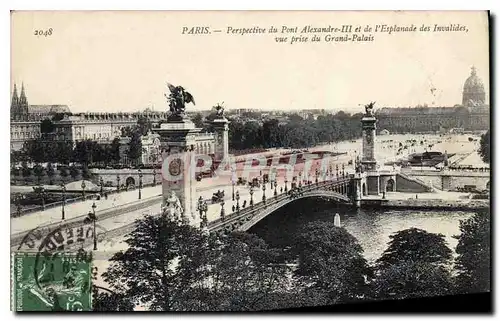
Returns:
<point x="52" y="272"/>
<point x="51" y="282"/>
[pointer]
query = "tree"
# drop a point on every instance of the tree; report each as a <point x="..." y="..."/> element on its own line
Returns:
<point x="74" y="172"/>
<point x="330" y="263"/>
<point x="415" y="264"/>
<point x="412" y="279"/>
<point x="115" y="150"/>
<point x="473" y="262"/>
<point x="35" y="150"/>
<point x="86" y="173"/>
<point x="63" y="172"/>
<point x="50" y="172"/>
<point x="26" y="171"/>
<point x="170" y="266"/>
<point x="145" y="272"/>
<point x="415" y="245"/>
<point x="484" y="147"/>
<point x="135" y="148"/>
<point x="198" y="120"/>
<point x="39" y="172"/>
<point x="245" y="274"/>
<point x="47" y="126"/>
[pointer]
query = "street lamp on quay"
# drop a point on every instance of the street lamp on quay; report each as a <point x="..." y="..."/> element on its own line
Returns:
<point x="140" y="183"/>
<point x="222" y="212"/>
<point x="202" y="209"/>
<point x="154" y="176"/>
<point x="286" y="186"/>
<point x="63" y="189"/>
<point x="300" y="179"/>
<point x="92" y="218"/>
<point x="101" y="182"/>
<point x="83" y="189"/>
<point x="232" y="183"/>
<point x="317" y="174"/>
<point x="275" y="188"/>
<point x="41" y="192"/>
<point x="264" y="193"/>
<point x="337" y="170"/>
<point x="237" y="201"/>
<point x="251" y="195"/>
<point x="343" y="170"/>
<point x="17" y="200"/>
<point x="117" y="183"/>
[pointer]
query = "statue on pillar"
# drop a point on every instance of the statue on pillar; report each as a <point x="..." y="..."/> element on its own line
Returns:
<point x="173" y="207"/>
<point x="177" y="100"/>
<point x="369" y="109"/>
<point x="219" y="110"/>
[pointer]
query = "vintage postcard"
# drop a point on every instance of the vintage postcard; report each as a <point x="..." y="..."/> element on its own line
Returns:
<point x="249" y="160"/>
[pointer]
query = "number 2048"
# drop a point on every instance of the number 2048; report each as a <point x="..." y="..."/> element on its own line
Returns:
<point x="45" y="33"/>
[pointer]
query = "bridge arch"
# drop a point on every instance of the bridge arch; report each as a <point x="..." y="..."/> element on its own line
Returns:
<point x="390" y="185"/>
<point x="245" y="222"/>
<point x="130" y="181"/>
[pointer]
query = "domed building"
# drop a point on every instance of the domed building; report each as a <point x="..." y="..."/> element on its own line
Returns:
<point x="473" y="94"/>
<point x="472" y="115"/>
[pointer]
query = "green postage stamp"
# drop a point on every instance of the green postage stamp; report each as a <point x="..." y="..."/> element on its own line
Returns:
<point x="53" y="282"/>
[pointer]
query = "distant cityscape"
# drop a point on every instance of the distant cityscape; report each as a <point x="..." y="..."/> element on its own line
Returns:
<point x="473" y="114"/>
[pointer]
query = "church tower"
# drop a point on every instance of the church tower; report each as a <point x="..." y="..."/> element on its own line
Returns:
<point x="14" y="104"/>
<point x="23" y="102"/>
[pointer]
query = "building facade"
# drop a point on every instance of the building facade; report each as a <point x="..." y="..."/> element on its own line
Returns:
<point x="472" y="115"/>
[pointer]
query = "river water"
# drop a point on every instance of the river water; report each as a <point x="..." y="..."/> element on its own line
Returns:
<point x="371" y="227"/>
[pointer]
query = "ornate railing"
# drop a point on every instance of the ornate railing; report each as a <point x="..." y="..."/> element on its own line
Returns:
<point x="274" y="202"/>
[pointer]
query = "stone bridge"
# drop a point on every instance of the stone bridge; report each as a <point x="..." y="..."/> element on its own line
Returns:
<point x="337" y="190"/>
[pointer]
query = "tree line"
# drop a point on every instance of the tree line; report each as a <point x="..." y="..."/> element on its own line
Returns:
<point x="176" y="267"/>
<point x="296" y="133"/>
<point x="44" y="149"/>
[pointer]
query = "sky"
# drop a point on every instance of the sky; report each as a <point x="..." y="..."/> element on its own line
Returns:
<point x="121" y="61"/>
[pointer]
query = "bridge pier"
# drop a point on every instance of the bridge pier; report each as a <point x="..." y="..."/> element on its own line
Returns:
<point x="358" y="180"/>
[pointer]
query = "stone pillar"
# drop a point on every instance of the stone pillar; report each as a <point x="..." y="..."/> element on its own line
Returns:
<point x="368" y="133"/>
<point x="357" y="194"/>
<point x="178" y="141"/>
<point x="221" y="127"/>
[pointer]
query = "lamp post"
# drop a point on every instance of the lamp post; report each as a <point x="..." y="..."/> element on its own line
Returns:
<point x="317" y="174"/>
<point x="251" y="195"/>
<point x="117" y="183"/>
<point x="17" y="199"/>
<point x="264" y="194"/>
<point x="101" y="181"/>
<point x="92" y="218"/>
<point x="343" y="170"/>
<point x="83" y="189"/>
<point x="140" y="183"/>
<point x="41" y="192"/>
<point x="237" y="201"/>
<point x="337" y="170"/>
<point x="275" y="188"/>
<point x="300" y="179"/>
<point x="286" y="186"/>
<point x="202" y="209"/>
<point x="63" y="188"/>
<point x="232" y="183"/>
<point x="154" y="176"/>
<point x="222" y="212"/>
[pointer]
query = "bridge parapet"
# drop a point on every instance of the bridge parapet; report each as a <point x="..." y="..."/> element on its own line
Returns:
<point x="249" y="216"/>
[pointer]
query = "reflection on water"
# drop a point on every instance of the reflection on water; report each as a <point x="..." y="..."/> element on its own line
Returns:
<point x="372" y="228"/>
